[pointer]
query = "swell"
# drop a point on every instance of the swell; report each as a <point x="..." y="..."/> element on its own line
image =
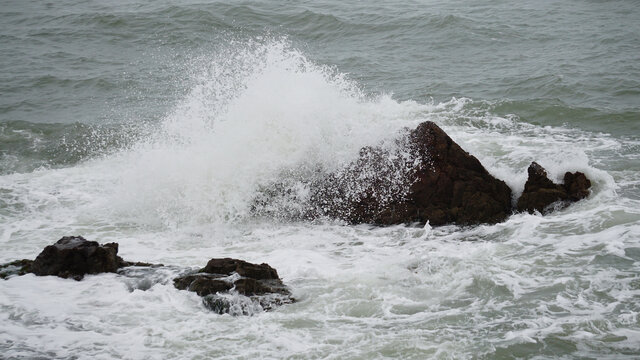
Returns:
<point x="25" y="146"/>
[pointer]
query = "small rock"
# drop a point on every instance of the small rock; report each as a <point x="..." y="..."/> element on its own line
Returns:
<point x="540" y="192"/>
<point x="74" y="256"/>
<point x="17" y="267"/>
<point x="258" y="286"/>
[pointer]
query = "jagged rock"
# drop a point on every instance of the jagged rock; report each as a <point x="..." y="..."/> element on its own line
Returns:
<point x="577" y="185"/>
<point x="540" y="192"/>
<point x="430" y="178"/>
<point x="74" y="256"/>
<point x="227" y="266"/>
<point x="220" y="276"/>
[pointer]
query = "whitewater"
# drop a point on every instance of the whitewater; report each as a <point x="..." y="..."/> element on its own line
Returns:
<point x="180" y="189"/>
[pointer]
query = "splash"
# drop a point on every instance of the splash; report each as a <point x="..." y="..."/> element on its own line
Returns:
<point x="258" y="112"/>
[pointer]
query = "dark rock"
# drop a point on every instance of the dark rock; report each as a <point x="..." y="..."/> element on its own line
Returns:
<point x="429" y="178"/>
<point x="249" y="287"/>
<point x="137" y="263"/>
<point x="221" y="305"/>
<point x="227" y="285"/>
<point x="540" y="193"/>
<point x="227" y="266"/>
<point x="73" y="256"/>
<point x="202" y="284"/>
<point x="577" y="185"/>
<point x="17" y="267"/>
<point x="258" y="283"/>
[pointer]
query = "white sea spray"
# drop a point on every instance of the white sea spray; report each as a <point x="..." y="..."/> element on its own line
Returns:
<point x="261" y="113"/>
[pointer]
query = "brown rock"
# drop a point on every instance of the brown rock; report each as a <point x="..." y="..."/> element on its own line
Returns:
<point x="577" y="185"/>
<point x="540" y="193"/>
<point x="438" y="182"/>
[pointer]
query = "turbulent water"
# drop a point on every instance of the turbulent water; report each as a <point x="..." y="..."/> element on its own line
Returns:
<point x="157" y="124"/>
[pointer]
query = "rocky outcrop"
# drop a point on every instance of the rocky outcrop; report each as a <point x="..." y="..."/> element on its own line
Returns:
<point x="542" y="195"/>
<point x="221" y="277"/>
<point x="74" y="257"/>
<point x="227" y="285"/>
<point x="430" y="178"/>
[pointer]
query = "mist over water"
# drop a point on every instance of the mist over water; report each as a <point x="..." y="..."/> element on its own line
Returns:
<point x="158" y="125"/>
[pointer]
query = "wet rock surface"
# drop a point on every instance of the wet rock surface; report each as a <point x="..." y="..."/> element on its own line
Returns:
<point x="227" y="285"/>
<point x="228" y="266"/>
<point x="542" y="195"/>
<point x="203" y="284"/>
<point x="74" y="257"/>
<point x="222" y="280"/>
<point x="15" y="268"/>
<point x="443" y="184"/>
<point x="421" y="176"/>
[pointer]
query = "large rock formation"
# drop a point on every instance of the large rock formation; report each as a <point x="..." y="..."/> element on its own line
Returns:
<point x="540" y="193"/>
<point x="428" y="178"/>
<point x="259" y="282"/>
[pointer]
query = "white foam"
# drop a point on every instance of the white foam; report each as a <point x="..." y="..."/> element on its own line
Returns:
<point x="182" y="197"/>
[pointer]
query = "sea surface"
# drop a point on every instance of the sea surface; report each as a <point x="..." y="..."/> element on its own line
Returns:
<point x="156" y="124"/>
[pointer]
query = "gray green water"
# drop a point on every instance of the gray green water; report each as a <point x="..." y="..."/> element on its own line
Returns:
<point x="154" y="124"/>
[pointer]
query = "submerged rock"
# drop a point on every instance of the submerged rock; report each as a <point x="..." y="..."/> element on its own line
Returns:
<point x="540" y="193"/>
<point x="15" y="268"/>
<point x="222" y="280"/>
<point x="439" y="183"/>
<point x="74" y="257"/>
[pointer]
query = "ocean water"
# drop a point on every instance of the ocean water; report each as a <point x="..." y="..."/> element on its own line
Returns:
<point x="156" y="124"/>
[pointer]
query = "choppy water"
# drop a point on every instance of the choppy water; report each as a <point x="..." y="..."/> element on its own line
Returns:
<point x="155" y="125"/>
